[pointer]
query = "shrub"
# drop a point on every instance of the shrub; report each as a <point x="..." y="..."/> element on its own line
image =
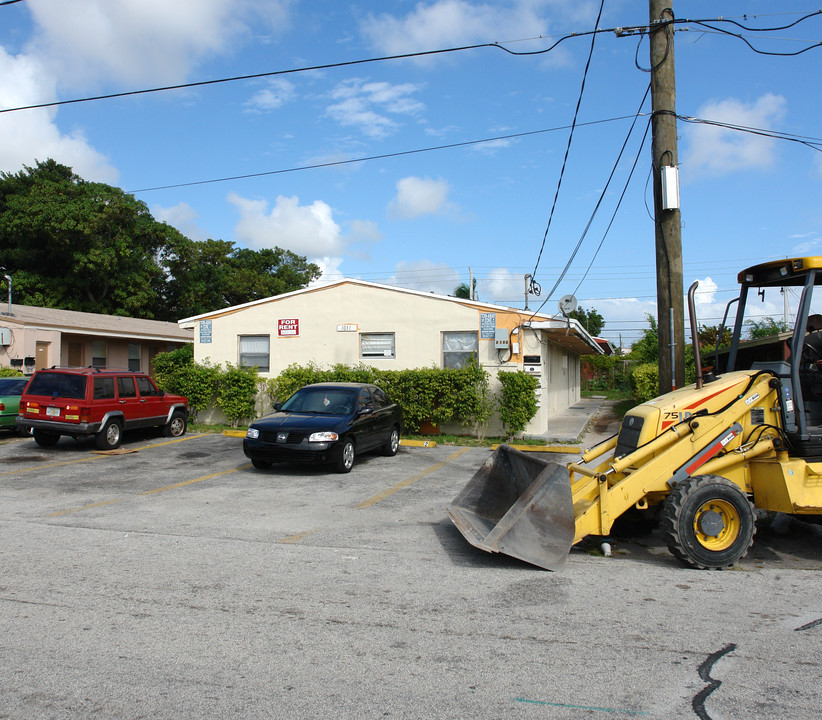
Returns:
<point x="604" y="372"/>
<point x="168" y="364"/>
<point x="517" y="402"/>
<point x="9" y="372"/>
<point x="645" y="382"/>
<point x="236" y="390"/>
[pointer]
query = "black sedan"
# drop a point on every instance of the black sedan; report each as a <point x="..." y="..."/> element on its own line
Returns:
<point x="326" y="423"/>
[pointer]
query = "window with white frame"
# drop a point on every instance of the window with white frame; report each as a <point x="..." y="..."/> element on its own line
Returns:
<point x="254" y="351"/>
<point x="458" y="348"/>
<point x="377" y="345"/>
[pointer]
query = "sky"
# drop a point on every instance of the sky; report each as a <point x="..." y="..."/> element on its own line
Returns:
<point x="424" y="171"/>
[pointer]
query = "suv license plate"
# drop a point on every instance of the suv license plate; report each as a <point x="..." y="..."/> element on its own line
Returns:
<point x="53" y="412"/>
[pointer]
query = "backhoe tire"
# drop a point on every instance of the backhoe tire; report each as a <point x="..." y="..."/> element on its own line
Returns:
<point x="708" y="522"/>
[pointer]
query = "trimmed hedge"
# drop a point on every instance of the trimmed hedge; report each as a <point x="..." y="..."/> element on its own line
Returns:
<point x="233" y="388"/>
<point x="425" y="395"/>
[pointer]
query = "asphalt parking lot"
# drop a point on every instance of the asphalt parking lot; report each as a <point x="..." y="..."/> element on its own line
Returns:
<point x="175" y="581"/>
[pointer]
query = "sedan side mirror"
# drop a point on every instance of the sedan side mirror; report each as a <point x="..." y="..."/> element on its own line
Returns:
<point x="365" y="411"/>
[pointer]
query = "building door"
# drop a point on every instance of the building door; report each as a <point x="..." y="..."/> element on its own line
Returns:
<point x="41" y="356"/>
<point x="75" y="354"/>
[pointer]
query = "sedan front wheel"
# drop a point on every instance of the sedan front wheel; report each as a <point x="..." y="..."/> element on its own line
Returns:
<point x="346" y="461"/>
<point x="390" y="448"/>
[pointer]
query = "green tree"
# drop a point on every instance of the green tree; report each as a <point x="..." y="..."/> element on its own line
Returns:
<point x="591" y="320"/>
<point x="766" y="327"/>
<point x="78" y="245"/>
<point x="646" y="349"/>
<point x="708" y="335"/>
<point x="209" y="275"/>
<point x="463" y="291"/>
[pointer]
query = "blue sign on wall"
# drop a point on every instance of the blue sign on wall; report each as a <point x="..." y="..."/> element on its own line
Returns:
<point x="488" y="324"/>
<point x="205" y="331"/>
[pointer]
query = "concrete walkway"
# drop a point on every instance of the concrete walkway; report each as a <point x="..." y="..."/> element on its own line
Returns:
<point x="569" y="426"/>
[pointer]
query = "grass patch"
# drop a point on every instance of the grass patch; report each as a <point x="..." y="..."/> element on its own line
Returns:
<point x="471" y="441"/>
<point x="211" y="428"/>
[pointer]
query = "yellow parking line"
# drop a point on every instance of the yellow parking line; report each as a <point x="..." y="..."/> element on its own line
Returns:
<point x="410" y="481"/>
<point x="92" y="457"/>
<point x="296" y="537"/>
<point x="194" y="480"/>
<point x="175" y="440"/>
<point x="90" y="506"/>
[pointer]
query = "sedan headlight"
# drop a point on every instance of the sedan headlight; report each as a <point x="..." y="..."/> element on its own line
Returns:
<point x="323" y="437"/>
<point x="252" y="433"/>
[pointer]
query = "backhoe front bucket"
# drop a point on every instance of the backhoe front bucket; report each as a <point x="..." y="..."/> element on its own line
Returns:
<point x="518" y="504"/>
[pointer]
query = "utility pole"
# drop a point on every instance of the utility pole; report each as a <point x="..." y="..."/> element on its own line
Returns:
<point x="669" y="284"/>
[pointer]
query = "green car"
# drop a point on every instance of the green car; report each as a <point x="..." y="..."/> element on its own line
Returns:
<point x="11" y="388"/>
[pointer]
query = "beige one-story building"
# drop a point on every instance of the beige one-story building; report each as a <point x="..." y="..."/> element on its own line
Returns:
<point x="32" y="338"/>
<point x="392" y="328"/>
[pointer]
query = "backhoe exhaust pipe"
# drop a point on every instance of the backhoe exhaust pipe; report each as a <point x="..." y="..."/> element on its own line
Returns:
<point x="695" y="333"/>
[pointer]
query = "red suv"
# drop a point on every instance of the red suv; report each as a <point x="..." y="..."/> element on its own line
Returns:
<point x="86" y="401"/>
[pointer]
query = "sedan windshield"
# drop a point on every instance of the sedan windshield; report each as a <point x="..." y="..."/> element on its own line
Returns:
<point x="323" y="401"/>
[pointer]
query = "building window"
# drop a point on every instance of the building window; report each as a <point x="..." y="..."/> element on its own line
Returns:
<point x="134" y="357"/>
<point x="98" y="353"/>
<point x="377" y="345"/>
<point x="254" y="351"/>
<point x="458" y="348"/>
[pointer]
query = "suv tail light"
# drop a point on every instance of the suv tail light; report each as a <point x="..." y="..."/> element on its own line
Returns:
<point x="85" y="415"/>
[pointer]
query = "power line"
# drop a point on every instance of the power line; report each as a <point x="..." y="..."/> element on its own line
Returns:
<point x="533" y="285"/>
<point x="384" y="156"/>
<point x="327" y="66"/>
<point x="602" y="195"/>
<point x="810" y="142"/>
<point x="621" y="31"/>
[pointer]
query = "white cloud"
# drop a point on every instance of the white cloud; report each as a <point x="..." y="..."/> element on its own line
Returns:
<point x="426" y="276"/>
<point x="183" y="217"/>
<point x="808" y="247"/>
<point x="373" y="106"/>
<point x="140" y="41"/>
<point x="330" y="269"/>
<point x="501" y="285"/>
<point x="365" y="231"/>
<point x="719" y="151"/>
<point x="449" y="23"/>
<point x="419" y="196"/>
<point x="277" y="93"/>
<point x="307" y="230"/>
<point x="705" y="293"/>
<point x="32" y="134"/>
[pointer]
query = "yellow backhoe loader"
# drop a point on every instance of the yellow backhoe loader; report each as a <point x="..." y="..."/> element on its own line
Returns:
<point x="699" y="459"/>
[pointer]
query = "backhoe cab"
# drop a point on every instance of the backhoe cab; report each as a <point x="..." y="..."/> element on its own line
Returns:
<point x="699" y="459"/>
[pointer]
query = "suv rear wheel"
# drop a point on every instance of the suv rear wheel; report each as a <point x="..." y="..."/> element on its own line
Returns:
<point x="176" y="426"/>
<point x="110" y="437"/>
<point x="45" y="439"/>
